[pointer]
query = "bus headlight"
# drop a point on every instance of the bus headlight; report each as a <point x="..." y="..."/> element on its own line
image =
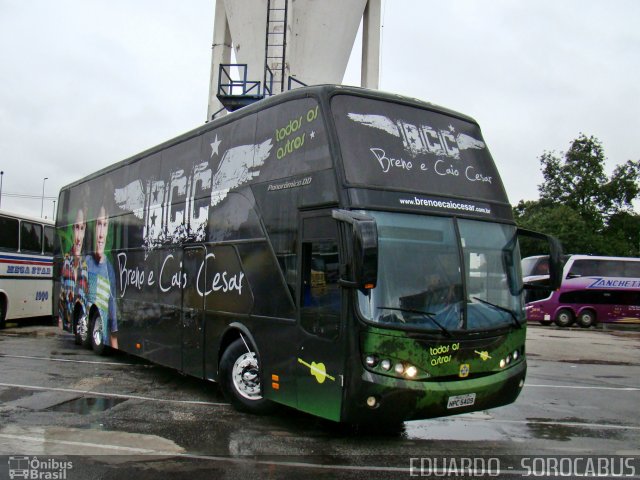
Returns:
<point x="512" y="357"/>
<point x="371" y="361"/>
<point x="411" y="371"/>
<point x="394" y="367"/>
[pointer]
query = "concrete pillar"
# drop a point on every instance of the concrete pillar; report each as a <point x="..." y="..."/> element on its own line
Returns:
<point x="371" y="24"/>
<point x="220" y="53"/>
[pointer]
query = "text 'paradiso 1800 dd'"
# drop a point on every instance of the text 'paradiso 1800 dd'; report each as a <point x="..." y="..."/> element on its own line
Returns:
<point x="344" y="252"/>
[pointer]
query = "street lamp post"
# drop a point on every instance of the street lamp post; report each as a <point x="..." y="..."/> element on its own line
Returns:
<point x="53" y="217"/>
<point x="42" y="204"/>
<point x="1" y="175"/>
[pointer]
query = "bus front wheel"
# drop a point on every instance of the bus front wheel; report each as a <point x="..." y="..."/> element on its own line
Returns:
<point x="564" y="317"/>
<point x="3" y="313"/>
<point x="586" y="318"/>
<point x="240" y="379"/>
<point x="82" y="332"/>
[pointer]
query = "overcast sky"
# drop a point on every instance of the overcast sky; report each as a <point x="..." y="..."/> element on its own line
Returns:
<point x="85" y="83"/>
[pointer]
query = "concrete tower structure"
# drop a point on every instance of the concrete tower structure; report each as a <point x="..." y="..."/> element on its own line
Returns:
<point x="308" y="40"/>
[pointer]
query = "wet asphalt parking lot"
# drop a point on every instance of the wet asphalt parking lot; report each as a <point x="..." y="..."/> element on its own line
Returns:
<point x="118" y="416"/>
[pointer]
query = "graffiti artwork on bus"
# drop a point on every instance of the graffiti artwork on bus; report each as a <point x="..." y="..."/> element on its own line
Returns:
<point x="175" y="209"/>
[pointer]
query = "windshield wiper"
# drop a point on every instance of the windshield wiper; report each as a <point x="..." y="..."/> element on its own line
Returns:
<point x="503" y="309"/>
<point x="429" y="315"/>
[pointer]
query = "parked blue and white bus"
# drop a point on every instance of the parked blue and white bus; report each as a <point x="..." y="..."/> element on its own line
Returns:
<point x="26" y="266"/>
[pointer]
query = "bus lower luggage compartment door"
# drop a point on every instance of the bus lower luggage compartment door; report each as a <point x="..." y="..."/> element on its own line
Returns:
<point x="320" y="363"/>
<point x="192" y="313"/>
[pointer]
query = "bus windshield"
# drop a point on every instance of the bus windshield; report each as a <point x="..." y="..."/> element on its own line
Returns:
<point x="423" y="284"/>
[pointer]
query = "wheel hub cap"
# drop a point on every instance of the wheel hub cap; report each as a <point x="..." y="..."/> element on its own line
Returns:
<point x="246" y="378"/>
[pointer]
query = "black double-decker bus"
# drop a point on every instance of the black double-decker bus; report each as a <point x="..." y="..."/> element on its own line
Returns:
<point x="345" y="252"/>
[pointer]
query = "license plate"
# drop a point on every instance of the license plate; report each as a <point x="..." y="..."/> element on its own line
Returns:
<point x="458" y="401"/>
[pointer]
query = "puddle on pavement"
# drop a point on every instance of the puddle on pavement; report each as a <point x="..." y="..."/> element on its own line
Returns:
<point x="87" y="405"/>
<point x="16" y="332"/>
<point x="547" y="429"/>
<point x="452" y="430"/>
<point x="14" y="394"/>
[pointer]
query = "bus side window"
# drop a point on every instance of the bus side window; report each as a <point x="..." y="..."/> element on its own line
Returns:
<point x="320" y="295"/>
<point x="30" y="237"/>
<point x="632" y="269"/>
<point x="8" y="234"/>
<point x="49" y="236"/>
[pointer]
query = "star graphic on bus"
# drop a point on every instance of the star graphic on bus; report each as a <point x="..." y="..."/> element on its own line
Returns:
<point x="214" y="146"/>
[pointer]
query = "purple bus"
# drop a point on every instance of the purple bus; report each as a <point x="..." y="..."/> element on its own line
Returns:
<point x="594" y="289"/>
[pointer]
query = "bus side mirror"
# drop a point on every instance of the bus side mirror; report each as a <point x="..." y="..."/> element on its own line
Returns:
<point x="360" y="235"/>
<point x="547" y="245"/>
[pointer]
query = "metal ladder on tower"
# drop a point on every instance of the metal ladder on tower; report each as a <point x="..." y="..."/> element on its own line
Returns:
<point x="276" y="45"/>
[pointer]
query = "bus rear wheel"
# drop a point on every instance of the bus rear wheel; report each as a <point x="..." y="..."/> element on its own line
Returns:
<point x="564" y="317"/>
<point x="240" y="379"/>
<point x="586" y="318"/>
<point x="97" y="337"/>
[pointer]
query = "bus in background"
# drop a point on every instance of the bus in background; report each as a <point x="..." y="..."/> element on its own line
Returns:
<point x="342" y="251"/>
<point x="26" y="266"/>
<point x="594" y="290"/>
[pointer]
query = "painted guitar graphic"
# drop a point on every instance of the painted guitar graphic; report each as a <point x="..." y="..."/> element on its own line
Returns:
<point x="318" y="370"/>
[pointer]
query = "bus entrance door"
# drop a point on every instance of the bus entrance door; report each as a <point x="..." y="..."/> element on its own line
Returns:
<point x="320" y="362"/>
<point x="192" y="312"/>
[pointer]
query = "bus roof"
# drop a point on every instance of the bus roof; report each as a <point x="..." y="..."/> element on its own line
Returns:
<point x="29" y="218"/>
<point x="595" y="257"/>
<point x="318" y="91"/>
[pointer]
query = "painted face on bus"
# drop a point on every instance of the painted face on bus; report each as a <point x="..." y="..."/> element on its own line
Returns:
<point x="102" y="227"/>
<point x="79" y="227"/>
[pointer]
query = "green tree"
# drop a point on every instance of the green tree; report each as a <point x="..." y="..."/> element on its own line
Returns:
<point x="559" y="220"/>
<point x="587" y="210"/>
<point x="622" y="235"/>
<point x="576" y="180"/>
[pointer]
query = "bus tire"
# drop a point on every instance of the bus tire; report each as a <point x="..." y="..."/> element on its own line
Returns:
<point x="81" y="335"/>
<point x="240" y="379"/>
<point x="3" y="313"/>
<point x="97" y="337"/>
<point x="564" y="317"/>
<point x="586" y="318"/>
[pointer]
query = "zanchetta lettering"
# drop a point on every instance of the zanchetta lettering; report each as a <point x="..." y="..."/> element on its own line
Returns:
<point x="615" y="283"/>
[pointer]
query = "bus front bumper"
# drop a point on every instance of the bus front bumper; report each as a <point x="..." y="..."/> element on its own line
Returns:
<point x="385" y="399"/>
